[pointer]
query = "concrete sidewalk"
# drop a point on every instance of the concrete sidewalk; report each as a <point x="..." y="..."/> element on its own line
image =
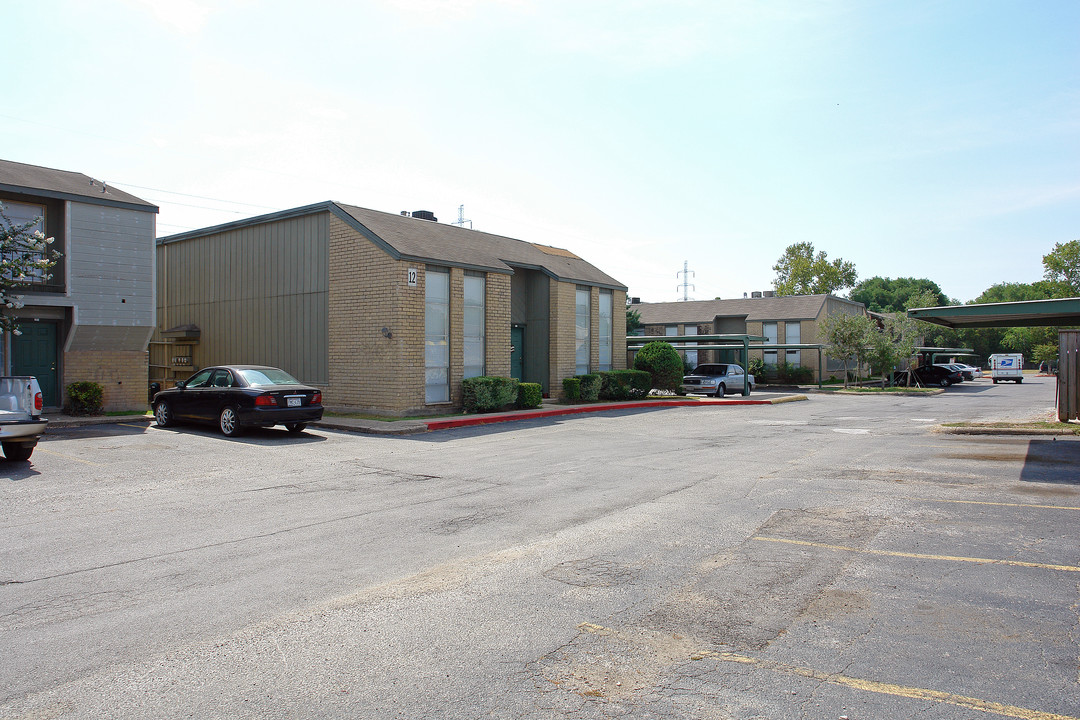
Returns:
<point x="409" y="427"/>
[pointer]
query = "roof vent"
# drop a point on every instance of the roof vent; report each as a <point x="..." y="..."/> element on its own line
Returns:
<point x="425" y="215"/>
<point x="755" y="294"/>
<point x="768" y="293"/>
<point x="635" y="301"/>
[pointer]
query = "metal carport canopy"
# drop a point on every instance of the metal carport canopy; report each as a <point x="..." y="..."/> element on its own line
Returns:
<point x="1029" y="313"/>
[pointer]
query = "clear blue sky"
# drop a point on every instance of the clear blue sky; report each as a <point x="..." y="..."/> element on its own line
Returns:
<point x="920" y="138"/>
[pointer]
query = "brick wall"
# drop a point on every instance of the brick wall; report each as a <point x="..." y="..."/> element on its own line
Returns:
<point x="618" y="330"/>
<point x="497" y="325"/>
<point x="562" y="338"/>
<point x="122" y="374"/>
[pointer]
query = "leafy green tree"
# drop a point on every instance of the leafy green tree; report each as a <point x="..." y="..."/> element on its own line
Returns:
<point x="663" y="362"/>
<point x="886" y="295"/>
<point x="633" y="320"/>
<point x="1047" y="353"/>
<point x="800" y="272"/>
<point x="24" y="256"/>
<point x="847" y="337"/>
<point x="1062" y="265"/>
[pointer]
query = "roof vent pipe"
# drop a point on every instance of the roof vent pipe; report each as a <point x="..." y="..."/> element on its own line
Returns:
<point x="425" y="215"/>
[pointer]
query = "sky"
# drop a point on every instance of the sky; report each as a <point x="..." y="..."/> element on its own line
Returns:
<point x="924" y="138"/>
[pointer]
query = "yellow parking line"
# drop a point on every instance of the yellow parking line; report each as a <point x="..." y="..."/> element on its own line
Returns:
<point x="1003" y="504"/>
<point x="68" y="457"/>
<point x="872" y="686"/>
<point x="921" y="556"/>
<point x="881" y="688"/>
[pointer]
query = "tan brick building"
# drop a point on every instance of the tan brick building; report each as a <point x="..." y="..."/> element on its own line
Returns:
<point x="386" y="313"/>
<point x="788" y="319"/>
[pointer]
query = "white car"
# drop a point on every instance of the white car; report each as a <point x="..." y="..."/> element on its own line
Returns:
<point x="21" y="423"/>
<point x="717" y="379"/>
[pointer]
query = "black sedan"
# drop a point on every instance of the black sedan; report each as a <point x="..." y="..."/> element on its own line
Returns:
<point x="928" y="375"/>
<point x="239" y="396"/>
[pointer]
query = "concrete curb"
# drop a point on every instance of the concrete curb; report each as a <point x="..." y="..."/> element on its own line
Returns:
<point x="412" y="427"/>
<point x="1003" y="431"/>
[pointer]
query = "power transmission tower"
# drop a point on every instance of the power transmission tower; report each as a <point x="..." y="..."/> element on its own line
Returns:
<point x="461" y="218"/>
<point x="685" y="286"/>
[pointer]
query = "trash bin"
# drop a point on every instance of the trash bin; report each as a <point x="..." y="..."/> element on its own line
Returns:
<point x="155" y="388"/>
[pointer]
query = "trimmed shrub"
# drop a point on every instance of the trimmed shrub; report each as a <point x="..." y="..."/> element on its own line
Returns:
<point x="590" y="387"/>
<point x="788" y="374"/>
<point x="624" y="384"/>
<point x="572" y="388"/>
<point x="530" y="395"/>
<point x="86" y="398"/>
<point x="488" y="394"/>
<point x="757" y="368"/>
<point x="663" y="363"/>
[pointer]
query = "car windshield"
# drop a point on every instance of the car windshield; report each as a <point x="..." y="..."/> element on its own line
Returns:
<point x="710" y="370"/>
<point x="268" y="376"/>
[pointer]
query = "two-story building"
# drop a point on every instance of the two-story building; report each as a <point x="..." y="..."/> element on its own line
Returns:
<point x="92" y="318"/>
<point x="385" y="313"/>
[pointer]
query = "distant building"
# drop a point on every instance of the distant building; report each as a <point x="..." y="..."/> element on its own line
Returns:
<point x="92" y="319"/>
<point x="386" y="313"/>
<point x="787" y="319"/>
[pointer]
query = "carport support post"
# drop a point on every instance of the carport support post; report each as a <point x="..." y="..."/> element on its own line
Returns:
<point x="746" y="366"/>
<point x="820" y="368"/>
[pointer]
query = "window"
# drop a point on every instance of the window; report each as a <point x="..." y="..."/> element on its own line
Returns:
<point x="581" y="325"/>
<point x="691" y="355"/>
<point x="768" y="330"/>
<point x="20" y="213"/>
<point x="436" y="336"/>
<point x="605" y="330"/>
<point x="474" y="325"/>
<point x="793" y="335"/>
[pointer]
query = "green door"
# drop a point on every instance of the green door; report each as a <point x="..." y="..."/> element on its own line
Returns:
<point x="34" y="353"/>
<point x="517" y="351"/>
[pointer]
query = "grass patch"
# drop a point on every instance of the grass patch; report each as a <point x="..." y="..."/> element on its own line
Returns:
<point x="1072" y="428"/>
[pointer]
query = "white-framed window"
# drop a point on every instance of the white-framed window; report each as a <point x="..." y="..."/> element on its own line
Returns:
<point x="793" y="335"/>
<point x="582" y="331"/>
<point x="474" y="345"/>
<point x="768" y="331"/>
<point x="605" y="330"/>
<point x="436" y="335"/>
<point x="20" y="213"/>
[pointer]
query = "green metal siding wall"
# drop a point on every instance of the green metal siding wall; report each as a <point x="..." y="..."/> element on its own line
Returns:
<point x="258" y="294"/>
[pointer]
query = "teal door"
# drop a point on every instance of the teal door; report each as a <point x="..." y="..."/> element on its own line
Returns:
<point x="517" y="351"/>
<point x="34" y="353"/>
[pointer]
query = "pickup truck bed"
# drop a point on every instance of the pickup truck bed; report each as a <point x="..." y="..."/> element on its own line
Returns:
<point x="21" y="423"/>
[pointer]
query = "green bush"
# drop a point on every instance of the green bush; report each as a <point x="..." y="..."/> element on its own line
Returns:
<point x="757" y="369"/>
<point x="624" y="384"/>
<point x="572" y="388"/>
<point x="488" y="394"/>
<point x="590" y="387"/>
<point x="530" y="395"/>
<point x="86" y="398"/>
<point x="788" y="374"/>
<point x="663" y="364"/>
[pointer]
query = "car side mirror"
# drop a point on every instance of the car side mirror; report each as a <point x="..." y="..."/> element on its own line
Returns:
<point x="180" y="384"/>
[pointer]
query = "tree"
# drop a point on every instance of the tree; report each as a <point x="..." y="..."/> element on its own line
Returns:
<point x="24" y="256"/>
<point x="885" y="295"/>
<point x="662" y="361"/>
<point x="633" y="320"/>
<point x="1062" y="265"/>
<point x="800" y="272"/>
<point x="848" y="337"/>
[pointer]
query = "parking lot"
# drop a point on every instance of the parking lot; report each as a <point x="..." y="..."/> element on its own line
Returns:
<point x="822" y="559"/>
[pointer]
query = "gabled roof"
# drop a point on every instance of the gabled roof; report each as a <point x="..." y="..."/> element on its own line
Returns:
<point x="26" y="179"/>
<point x="784" y="307"/>
<point x="409" y="238"/>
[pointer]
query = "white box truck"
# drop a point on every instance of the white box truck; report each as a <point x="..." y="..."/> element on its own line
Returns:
<point x="1007" y="366"/>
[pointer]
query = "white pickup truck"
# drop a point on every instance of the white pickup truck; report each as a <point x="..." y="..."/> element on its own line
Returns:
<point x="21" y="423"/>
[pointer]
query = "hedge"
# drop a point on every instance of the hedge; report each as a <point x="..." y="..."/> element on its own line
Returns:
<point x="488" y="394"/>
<point x="530" y="395"/>
<point x="663" y="363"/>
<point x="590" y="387"/>
<point x="572" y="388"/>
<point x="625" y="384"/>
<point x="86" y="398"/>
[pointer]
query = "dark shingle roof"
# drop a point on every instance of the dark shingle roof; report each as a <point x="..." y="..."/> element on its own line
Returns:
<point x="418" y="239"/>
<point x="26" y="179"/>
<point x="785" y="307"/>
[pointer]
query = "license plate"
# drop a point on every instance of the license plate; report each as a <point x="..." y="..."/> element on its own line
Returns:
<point x="293" y="401"/>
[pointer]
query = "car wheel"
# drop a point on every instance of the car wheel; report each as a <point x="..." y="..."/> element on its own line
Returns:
<point x="17" y="452"/>
<point x="1019" y="380"/>
<point x="944" y="383"/>
<point x="163" y="414"/>
<point x="720" y="389"/>
<point x="995" y="381"/>
<point x="229" y="422"/>
<point x="296" y="427"/>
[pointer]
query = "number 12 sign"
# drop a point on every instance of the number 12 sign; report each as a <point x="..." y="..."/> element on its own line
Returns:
<point x="412" y="277"/>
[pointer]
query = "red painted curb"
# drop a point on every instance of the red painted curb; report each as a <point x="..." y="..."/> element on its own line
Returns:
<point x="578" y="409"/>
